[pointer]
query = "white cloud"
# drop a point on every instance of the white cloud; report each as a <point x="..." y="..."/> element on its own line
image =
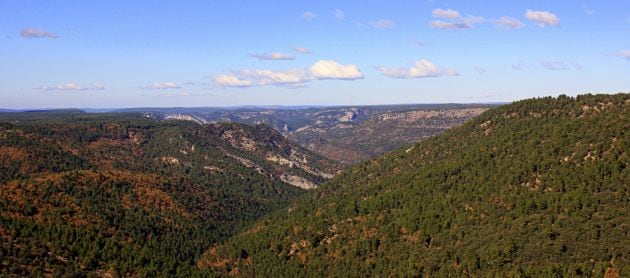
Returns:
<point x="273" y="56"/>
<point x="542" y="18"/>
<point x="161" y="86"/>
<point x="32" y="33"/>
<point x="420" y="69"/>
<point x="383" y="24"/>
<point x="446" y="13"/>
<point x="302" y="50"/>
<point x="454" y="20"/>
<point x="338" y="14"/>
<point x="329" y="69"/>
<point x="323" y="69"/>
<point x="309" y="15"/>
<point x="249" y="78"/>
<point x="71" y="86"/>
<point x="507" y="22"/>
<point x="560" y="65"/>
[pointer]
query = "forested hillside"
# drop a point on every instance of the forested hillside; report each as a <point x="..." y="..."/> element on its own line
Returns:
<point x="538" y="188"/>
<point x="120" y="194"/>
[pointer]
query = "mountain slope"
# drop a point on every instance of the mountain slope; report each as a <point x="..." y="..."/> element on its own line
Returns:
<point x="536" y="188"/>
<point x="123" y="194"/>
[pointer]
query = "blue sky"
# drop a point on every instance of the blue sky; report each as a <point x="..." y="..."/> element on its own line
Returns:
<point x="102" y="54"/>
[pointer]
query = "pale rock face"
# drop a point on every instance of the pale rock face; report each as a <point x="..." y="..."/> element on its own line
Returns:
<point x="186" y="117"/>
<point x="170" y="160"/>
<point x="418" y="115"/>
<point x="298" y="181"/>
<point x="347" y="117"/>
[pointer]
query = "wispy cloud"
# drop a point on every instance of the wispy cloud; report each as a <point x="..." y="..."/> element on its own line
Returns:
<point x="452" y="19"/>
<point x="302" y="50"/>
<point x="383" y="24"/>
<point x="480" y="70"/>
<point x="273" y="56"/>
<point x="321" y="70"/>
<point x="338" y="14"/>
<point x="197" y="85"/>
<point x="506" y="22"/>
<point x="175" y="94"/>
<point x="161" y="86"/>
<point x="420" y="43"/>
<point x="520" y="66"/>
<point x="587" y="11"/>
<point x="624" y="54"/>
<point x="439" y="24"/>
<point x="542" y="18"/>
<point x="71" y="86"/>
<point x="309" y="15"/>
<point x="33" y="33"/>
<point x="560" y="65"/>
<point x="419" y="69"/>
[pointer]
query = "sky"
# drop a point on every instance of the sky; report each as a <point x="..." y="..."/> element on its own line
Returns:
<point x="115" y="54"/>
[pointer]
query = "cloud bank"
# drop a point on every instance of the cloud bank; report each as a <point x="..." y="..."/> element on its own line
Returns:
<point x="419" y="69"/>
<point x="321" y="70"/>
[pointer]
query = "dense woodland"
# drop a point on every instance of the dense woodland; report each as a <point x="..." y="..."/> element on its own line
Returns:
<point x="84" y="194"/>
<point x="538" y="188"/>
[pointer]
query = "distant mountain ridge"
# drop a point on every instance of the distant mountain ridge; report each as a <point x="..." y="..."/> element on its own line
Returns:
<point x="347" y="134"/>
